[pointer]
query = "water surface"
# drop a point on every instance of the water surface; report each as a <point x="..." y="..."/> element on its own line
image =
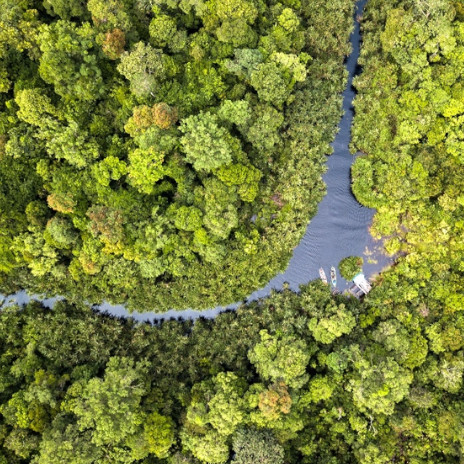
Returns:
<point x="339" y="229"/>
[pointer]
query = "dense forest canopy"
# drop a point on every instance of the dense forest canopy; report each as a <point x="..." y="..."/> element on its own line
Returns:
<point x="412" y="86"/>
<point x="292" y="379"/>
<point x="163" y="153"/>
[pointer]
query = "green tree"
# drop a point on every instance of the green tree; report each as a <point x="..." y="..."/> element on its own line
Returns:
<point x="350" y="266"/>
<point x="110" y="168"/>
<point x="165" y="33"/>
<point x="61" y="232"/>
<point x="22" y="442"/>
<point x="110" y="407"/>
<point x="221" y="215"/>
<point x="64" y="442"/>
<point x="145" y="169"/>
<point x="145" y="67"/>
<point x="71" y="144"/>
<point x="409" y="348"/>
<point x="251" y="446"/>
<point x="235" y="112"/>
<point x="188" y="218"/>
<point x="246" y="178"/>
<point x="245" y="62"/>
<point x="66" y="10"/>
<point x="7" y="258"/>
<point x="109" y="14"/>
<point x="320" y="389"/>
<point x="35" y="107"/>
<point x="264" y="132"/>
<point x="334" y="322"/>
<point x="447" y="334"/>
<point x="210" y="447"/>
<point x="219" y="404"/>
<point x="231" y="21"/>
<point x="69" y="60"/>
<point x="449" y="373"/>
<point x="281" y="358"/>
<point x="379" y="384"/>
<point x="274" y="79"/>
<point x="25" y="413"/>
<point x="157" y="438"/>
<point x="270" y="84"/>
<point x="205" y="143"/>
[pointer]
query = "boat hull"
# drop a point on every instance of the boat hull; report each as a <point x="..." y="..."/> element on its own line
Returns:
<point x="333" y="276"/>
<point x="323" y="276"/>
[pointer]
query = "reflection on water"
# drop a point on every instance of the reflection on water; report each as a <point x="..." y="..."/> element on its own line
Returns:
<point x="340" y="228"/>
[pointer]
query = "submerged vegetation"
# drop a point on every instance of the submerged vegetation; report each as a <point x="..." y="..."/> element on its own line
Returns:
<point x="163" y="154"/>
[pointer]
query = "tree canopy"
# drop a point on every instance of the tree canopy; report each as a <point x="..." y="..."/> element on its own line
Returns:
<point x="165" y="144"/>
<point x="255" y="385"/>
<point x="114" y="183"/>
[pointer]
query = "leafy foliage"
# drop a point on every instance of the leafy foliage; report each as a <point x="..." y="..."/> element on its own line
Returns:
<point x="251" y="446"/>
<point x="350" y="266"/>
<point x="279" y="358"/>
<point x="162" y="149"/>
<point x="84" y="387"/>
<point x="98" y="197"/>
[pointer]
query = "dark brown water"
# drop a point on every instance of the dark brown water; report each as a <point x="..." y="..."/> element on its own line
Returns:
<point x="339" y="229"/>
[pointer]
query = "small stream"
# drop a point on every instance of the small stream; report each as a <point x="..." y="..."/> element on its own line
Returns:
<point x="339" y="229"/>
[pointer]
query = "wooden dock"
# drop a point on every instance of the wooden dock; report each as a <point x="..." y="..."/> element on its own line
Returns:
<point x="356" y="291"/>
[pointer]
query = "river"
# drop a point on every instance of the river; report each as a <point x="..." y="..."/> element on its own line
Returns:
<point x="339" y="229"/>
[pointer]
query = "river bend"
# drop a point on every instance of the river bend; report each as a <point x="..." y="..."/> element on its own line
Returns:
<point x="339" y="229"/>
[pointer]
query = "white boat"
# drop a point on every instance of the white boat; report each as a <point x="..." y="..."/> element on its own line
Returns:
<point x="323" y="276"/>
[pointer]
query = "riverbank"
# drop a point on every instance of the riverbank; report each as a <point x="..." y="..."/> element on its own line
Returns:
<point x="339" y="229"/>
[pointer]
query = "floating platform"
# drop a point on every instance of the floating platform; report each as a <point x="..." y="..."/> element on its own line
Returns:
<point x="356" y="291"/>
<point x="361" y="286"/>
<point x="362" y="283"/>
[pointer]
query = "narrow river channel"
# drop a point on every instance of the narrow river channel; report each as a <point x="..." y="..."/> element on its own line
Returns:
<point x="339" y="229"/>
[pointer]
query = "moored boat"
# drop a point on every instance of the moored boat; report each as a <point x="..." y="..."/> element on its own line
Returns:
<point x="333" y="276"/>
<point x="323" y="276"/>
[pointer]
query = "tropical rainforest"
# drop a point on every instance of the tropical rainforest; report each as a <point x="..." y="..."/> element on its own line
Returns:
<point x="295" y="378"/>
<point x="164" y="154"/>
<point x="111" y="176"/>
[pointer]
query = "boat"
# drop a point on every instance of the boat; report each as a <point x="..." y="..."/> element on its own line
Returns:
<point x="323" y="276"/>
<point x="333" y="276"/>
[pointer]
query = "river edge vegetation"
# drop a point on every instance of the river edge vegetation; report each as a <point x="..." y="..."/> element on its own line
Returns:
<point x="413" y="170"/>
<point x="163" y="154"/>
<point x="294" y="378"/>
<point x="290" y="379"/>
<point x="350" y="266"/>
